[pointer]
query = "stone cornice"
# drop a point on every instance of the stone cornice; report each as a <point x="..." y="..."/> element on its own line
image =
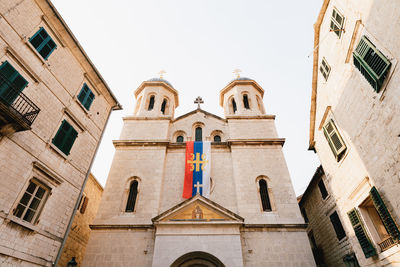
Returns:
<point x="267" y="141"/>
<point x="120" y="226"/>
<point x="283" y="226"/>
<point x="259" y="117"/>
<point x="119" y="143"/>
<point x="134" y="118"/>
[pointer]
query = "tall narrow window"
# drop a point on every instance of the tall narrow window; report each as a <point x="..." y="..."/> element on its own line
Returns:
<point x="151" y="103"/>
<point x="246" y="102"/>
<point x="43" y="43"/>
<point x="198" y="134"/>
<point x="361" y="234"/>
<point x="133" y="190"/>
<point x="266" y="204"/>
<point x="11" y="83"/>
<point x="31" y="203"/>
<point x="337" y="21"/>
<point x="86" y="96"/>
<point x="65" y="137"/>
<point x="163" y="105"/>
<point x="234" y="105"/>
<point x="322" y="189"/>
<point x="325" y="69"/>
<point x="179" y="139"/>
<point x="337" y="225"/>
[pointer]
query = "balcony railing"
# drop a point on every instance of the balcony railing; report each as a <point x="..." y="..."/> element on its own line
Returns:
<point x="18" y="103"/>
<point x="387" y="243"/>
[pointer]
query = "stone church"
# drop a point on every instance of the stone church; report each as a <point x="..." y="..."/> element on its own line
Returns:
<point x="250" y="217"/>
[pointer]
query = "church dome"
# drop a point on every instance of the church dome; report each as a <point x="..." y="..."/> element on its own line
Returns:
<point x="159" y="80"/>
<point x="242" y="79"/>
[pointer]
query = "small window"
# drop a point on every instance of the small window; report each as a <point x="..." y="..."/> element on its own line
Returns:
<point x="133" y="191"/>
<point x="234" y="105"/>
<point x="266" y="204"/>
<point x="11" y="83"/>
<point x="337" y="225"/>
<point x="217" y="138"/>
<point x="334" y="139"/>
<point x="322" y="189"/>
<point x="325" y="69"/>
<point x="371" y="62"/>
<point x="86" y="96"/>
<point x="199" y="134"/>
<point x="179" y="139"/>
<point x="163" y="105"/>
<point x="65" y="137"/>
<point x="151" y="103"/>
<point x="43" y="43"/>
<point x="303" y="212"/>
<point x="31" y="203"/>
<point x="83" y="204"/>
<point x="337" y="21"/>
<point x="246" y="102"/>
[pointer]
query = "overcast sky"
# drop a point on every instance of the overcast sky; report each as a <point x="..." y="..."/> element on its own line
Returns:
<point x="199" y="43"/>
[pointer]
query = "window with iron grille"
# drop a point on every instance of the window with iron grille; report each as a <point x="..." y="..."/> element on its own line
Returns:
<point x="86" y="96"/>
<point x="31" y="203"/>
<point x="65" y="137"/>
<point x="325" y="69"/>
<point x="337" y="225"/>
<point x="43" y="43"/>
<point x="11" y="83"/>
<point x="334" y="139"/>
<point x="322" y="189"/>
<point x="337" y="21"/>
<point x="371" y="62"/>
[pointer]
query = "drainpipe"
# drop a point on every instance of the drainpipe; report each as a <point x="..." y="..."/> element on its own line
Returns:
<point x="55" y="263"/>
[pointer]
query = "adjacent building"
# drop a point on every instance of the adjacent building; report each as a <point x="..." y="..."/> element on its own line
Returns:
<point x="54" y="106"/>
<point x="250" y="217"/>
<point x="355" y="124"/>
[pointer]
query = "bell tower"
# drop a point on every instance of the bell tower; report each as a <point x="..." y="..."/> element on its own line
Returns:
<point x="242" y="97"/>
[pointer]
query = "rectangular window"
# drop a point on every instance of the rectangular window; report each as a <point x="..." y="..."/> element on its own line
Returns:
<point x="322" y="189"/>
<point x="86" y="96"/>
<point x="337" y="225"/>
<point x="334" y="139"/>
<point x="32" y="201"/>
<point x="337" y="21"/>
<point x="11" y="83"/>
<point x="83" y="204"/>
<point x="361" y="234"/>
<point x="43" y="43"/>
<point x="65" y="137"/>
<point x="372" y="64"/>
<point x="325" y="69"/>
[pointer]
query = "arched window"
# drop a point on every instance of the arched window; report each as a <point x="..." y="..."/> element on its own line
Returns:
<point x="179" y="139"/>
<point x="266" y="204"/>
<point x="246" y="102"/>
<point x="163" y="105"/>
<point x="217" y="138"/>
<point x="198" y="134"/>
<point x="133" y="190"/>
<point x="151" y="103"/>
<point x="234" y="105"/>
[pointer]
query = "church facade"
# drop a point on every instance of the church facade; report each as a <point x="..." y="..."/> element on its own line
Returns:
<point x="249" y="218"/>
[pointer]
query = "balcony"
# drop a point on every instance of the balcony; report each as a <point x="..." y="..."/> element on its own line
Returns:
<point x="17" y="111"/>
<point x="387" y="243"/>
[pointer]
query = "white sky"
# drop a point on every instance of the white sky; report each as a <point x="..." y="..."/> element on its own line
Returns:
<point x="199" y="43"/>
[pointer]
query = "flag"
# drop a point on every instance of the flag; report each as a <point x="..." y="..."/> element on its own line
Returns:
<point x="197" y="169"/>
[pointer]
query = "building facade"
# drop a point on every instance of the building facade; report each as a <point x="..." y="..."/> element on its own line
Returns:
<point x="355" y="122"/>
<point x="54" y="106"/>
<point x="251" y="217"/>
<point x="78" y="237"/>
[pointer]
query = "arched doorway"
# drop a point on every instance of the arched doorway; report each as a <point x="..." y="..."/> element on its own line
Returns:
<point x="197" y="259"/>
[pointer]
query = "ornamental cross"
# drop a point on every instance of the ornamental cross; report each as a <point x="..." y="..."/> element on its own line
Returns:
<point x="162" y="72"/>
<point x="198" y="101"/>
<point x="198" y="185"/>
<point x="237" y="72"/>
<point x="195" y="163"/>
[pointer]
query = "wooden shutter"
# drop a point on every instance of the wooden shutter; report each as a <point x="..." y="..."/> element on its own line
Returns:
<point x="65" y="137"/>
<point x="11" y="82"/>
<point x="361" y="234"/>
<point x="372" y="64"/>
<point x="384" y="213"/>
<point x="334" y="139"/>
<point x="84" y="205"/>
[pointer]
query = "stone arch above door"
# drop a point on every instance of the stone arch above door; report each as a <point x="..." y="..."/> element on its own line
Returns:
<point x="197" y="259"/>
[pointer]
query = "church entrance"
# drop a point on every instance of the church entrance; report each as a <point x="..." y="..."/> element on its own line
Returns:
<point x="197" y="259"/>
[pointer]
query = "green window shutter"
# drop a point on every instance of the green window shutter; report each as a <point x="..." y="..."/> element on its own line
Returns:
<point x="65" y="137"/>
<point x="43" y="43"/>
<point x="334" y="139"/>
<point x="384" y="213"/>
<point x="361" y="234"/>
<point x="372" y="64"/>
<point x="86" y="96"/>
<point x="11" y="83"/>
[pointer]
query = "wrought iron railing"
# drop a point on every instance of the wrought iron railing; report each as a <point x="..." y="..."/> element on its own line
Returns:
<point x="17" y="101"/>
<point x="387" y="243"/>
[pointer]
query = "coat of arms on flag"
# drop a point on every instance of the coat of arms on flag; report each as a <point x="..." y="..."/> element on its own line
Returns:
<point x="197" y="169"/>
